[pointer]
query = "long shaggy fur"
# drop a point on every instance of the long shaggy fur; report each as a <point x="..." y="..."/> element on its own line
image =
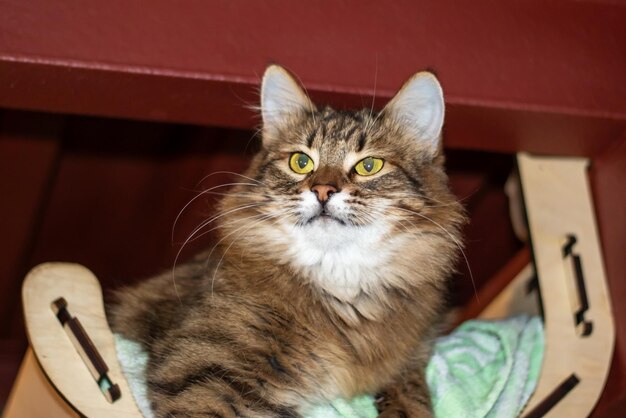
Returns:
<point x="290" y="308"/>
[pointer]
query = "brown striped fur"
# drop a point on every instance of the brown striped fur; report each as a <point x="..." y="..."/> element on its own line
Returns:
<point x="251" y="330"/>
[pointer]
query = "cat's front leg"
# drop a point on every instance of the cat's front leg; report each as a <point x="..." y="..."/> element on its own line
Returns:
<point x="214" y="401"/>
<point x="408" y="397"/>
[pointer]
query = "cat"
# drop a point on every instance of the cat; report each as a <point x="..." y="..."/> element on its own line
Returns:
<point x="330" y="274"/>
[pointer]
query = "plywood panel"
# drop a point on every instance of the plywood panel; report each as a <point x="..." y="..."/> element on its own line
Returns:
<point x="579" y="330"/>
<point x="31" y="383"/>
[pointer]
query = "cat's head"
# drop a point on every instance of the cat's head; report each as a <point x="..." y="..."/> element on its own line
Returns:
<point x="351" y="201"/>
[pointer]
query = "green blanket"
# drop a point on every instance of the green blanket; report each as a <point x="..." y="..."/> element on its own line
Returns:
<point x="482" y="369"/>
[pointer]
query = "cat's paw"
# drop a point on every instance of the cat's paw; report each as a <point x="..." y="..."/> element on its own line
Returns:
<point x="393" y="408"/>
<point x="389" y="408"/>
<point x="401" y="412"/>
<point x="393" y="413"/>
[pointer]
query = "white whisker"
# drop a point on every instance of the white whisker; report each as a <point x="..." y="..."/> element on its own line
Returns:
<point x="265" y="218"/>
<point x="375" y="84"/>
<point x="205" y="223"/>
<point x="234" y="221"/>
<point x="458" y="244"/>
<point x="200" y="195"/>
<point x="228" y="172"/>
<point x="222" y="214"/>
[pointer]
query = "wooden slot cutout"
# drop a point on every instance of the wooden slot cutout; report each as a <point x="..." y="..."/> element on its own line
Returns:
<point x="86" y="349"/>
<point x="578" y="291"/>
<point x="74" y="293"/>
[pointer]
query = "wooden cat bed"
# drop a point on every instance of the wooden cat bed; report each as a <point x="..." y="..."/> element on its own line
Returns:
<point x="566" y="285"/>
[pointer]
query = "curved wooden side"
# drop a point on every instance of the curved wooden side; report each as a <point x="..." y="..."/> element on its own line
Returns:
<point x="57" y="356"/>
<point x="579" y="326"/>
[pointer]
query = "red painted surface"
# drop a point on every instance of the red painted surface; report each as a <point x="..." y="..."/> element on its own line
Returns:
<point x="496" y="284"/>
<point x="608" y="172"/>
<point x="208" y="102"/>
<point x="29" y="147"/>
<point x="486" y="51"/>
<point x="199" y="62"/>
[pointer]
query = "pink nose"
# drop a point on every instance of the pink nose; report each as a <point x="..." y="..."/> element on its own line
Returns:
<point x="323" y="191"/>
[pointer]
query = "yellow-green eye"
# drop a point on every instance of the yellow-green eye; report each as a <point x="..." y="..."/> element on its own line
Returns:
<point x="369" y="166"/>
<point x="301" y="163"/>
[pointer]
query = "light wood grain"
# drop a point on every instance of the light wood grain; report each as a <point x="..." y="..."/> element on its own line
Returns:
<point x="558" y="203"/>
<point x="58" y="358"/>
<point x="31" y="384"/>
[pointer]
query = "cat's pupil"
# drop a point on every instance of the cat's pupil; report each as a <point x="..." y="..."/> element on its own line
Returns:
<point x="368" y="164"/>
<point x="302" y="161"/>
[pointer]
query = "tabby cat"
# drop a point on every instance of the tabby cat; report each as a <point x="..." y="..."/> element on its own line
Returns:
<point x="330" y="272"/>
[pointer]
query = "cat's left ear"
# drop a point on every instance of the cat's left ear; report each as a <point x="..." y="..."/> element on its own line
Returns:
<point x="419" y="108"/>
<point x="282" y="100"/>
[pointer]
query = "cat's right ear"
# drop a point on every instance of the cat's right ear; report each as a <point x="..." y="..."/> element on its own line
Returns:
<point x="419" y="108"/>
<point x="282" y="100"/>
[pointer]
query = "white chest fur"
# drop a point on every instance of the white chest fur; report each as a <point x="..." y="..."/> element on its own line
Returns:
<point x="342" y="259"/>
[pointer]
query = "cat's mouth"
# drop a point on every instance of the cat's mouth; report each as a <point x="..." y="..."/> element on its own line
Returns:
<point x="325" y="216"/>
